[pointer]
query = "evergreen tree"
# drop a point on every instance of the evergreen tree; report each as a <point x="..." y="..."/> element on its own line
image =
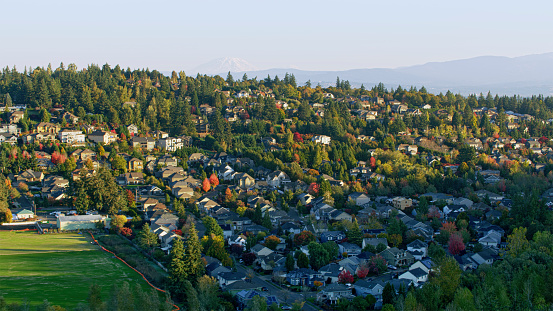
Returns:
<point x="193" y="264"/>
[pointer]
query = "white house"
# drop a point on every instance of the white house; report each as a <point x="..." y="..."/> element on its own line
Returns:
<point x="321" y="139"/>
<point x="71" y="137"/>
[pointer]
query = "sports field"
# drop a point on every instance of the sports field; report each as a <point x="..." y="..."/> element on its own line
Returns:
<point x="57" y="267"/>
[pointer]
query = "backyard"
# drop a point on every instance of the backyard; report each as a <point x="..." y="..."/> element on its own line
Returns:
<point x="57" y="267"/>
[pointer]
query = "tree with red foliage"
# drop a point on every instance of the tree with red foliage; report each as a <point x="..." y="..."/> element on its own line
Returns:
<point x="456" y="245"/>
<point x="248" y="258"/>
<point x="206" y="185"/>
<point x="362" y="271"/>
<point x="345" y="277"/>
<point x="298" y="138"/>
<point x="314" y="188"/>
<point x="304" y="238"/>
<point x="372" y="162"/>
<point x="543" y="140"/>
<point x="213" y="180"/>
<point x="126" y="232"/>
<point x="178" y="232"/>
<point x="58" y="158"/>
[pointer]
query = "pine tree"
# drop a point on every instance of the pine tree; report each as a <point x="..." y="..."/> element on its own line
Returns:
<point x="193" y="254"/>
<point x="177" y="270"/>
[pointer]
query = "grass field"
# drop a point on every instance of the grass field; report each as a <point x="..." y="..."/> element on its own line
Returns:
<point x="57" y="267"/>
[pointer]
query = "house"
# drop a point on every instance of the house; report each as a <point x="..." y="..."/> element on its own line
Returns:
<point x="374" y="242"/>
<point x="46" y="127"/>
<point x="244" y="180"/>
<point x="349" y="248"/>
<point x="227" y="278"/>
<point x="145" y="143"/>
<point x="321" y="139"/>
<point x="133" y="178"/>
<point x="170" y="143"/>
<point x="135" y="165"/>
<point x="291" y="227"/>
<point x="303" y="276"/>
<point x="72" y="137"/>
<point x="332" y="236"/>
<point x="338" y="215"/>
<point x="16" y="116"/>
<point x="25" y="214"/>
<point x="8" y="138"/>
<point x="418" y="249"/>
<point x="491" y="239"/>
<point x="332" y="293"/>
<point x="359" y="198"/>
<point x="133" y="129"/>
<point x="402" y="203"/>
<point x="30" y="176"/>
<point x="10" y="129"/>
<point x="365" y="287"/>
<point x="70" y="118"/>
<point x="417" y="276"/>
<point x="103" y="137"/>
<point x="277" y="179"/>
<point x="397" y="257"/>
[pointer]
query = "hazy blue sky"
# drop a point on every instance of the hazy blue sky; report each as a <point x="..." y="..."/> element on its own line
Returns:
<point x="311" y="35"/>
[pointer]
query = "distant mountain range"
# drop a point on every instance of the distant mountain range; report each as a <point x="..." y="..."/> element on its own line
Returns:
<point x="525" y="75"/>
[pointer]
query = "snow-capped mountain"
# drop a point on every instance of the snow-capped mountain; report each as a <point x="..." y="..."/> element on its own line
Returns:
<point x="224" y="65"/>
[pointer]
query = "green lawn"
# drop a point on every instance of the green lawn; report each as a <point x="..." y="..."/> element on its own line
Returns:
<point x="59" y="268"/>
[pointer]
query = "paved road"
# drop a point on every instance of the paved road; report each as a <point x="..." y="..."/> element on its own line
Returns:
<point x="284" y="296"/>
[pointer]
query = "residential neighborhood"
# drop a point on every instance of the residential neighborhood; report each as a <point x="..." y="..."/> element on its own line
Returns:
<point x="358" y="199"/>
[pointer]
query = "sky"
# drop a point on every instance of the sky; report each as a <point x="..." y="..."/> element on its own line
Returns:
<point x="304" y="34"/>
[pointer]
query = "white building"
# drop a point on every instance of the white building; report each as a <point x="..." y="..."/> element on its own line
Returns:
<point x="170" y="143"/>
<point x="321" y="139"/>
<point x="71" y="137"/>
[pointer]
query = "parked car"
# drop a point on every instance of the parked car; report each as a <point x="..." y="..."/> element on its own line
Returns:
<point x="392" y="267"/>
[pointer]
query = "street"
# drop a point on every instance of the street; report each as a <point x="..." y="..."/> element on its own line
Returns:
<point x="284" y="296"/>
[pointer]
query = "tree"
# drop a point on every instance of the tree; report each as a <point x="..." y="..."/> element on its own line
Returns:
<point x="193" y="254"/>
<point x="355" y="235"/>
<point x="388" y="294"/>
<point x="147" y="239"/>
<point x="272" y="242"/>
<point x="206" y="185"/>
<point x="517" y="243"/>
<point x="118" y="221"/>
<point x="377" y="264"/>
<point x="447" y="278"/>
<point x="248" y="258"/>
<point x="463" y="300"/>
<point x="304" y="238"/>
<point x="211" y="226"/>
<point x="290" y="262"/>
<point x="396" y="239"/>
<point x="213" y="180"/>
<point x="177" y="270"/>
<point x="207" y="289"/>
<point x="303" y="261"/>
<point x="332" y="249"/>
<point x="318" y="256"/>
<point x="362" y="271"/>
<point x="345" y="277"/>
<point x="455" y="244"/>
<point x="94" y="299"/>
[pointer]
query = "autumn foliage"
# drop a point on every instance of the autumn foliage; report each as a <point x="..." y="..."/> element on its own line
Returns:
<point x="345" y="277"/>
<point x="206" y="185"/>
<point x="304" y="238"/>
<point x="58" y="158"/>
<point x="456" y="245"/>
<point x="214" y="180"/>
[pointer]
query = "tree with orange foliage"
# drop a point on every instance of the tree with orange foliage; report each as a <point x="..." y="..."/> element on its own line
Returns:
<point x="206" y="185"/>
<point x="214" y="180"/>
<point x="449" y="227"/>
